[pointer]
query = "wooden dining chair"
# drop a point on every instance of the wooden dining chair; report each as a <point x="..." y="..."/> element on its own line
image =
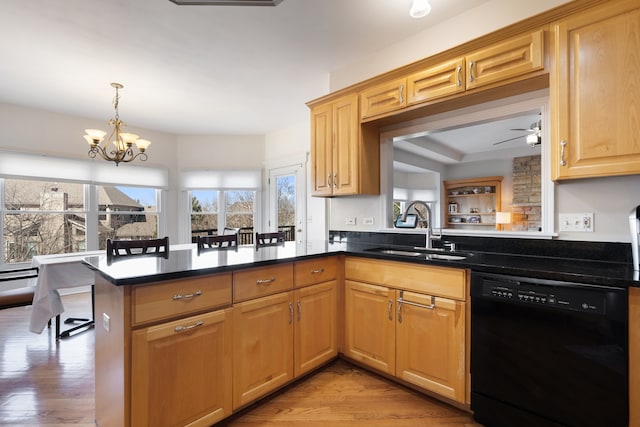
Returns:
<point x="127" y="248"/>
<point x="224" y="241"/>
<point x="269" y="239"/>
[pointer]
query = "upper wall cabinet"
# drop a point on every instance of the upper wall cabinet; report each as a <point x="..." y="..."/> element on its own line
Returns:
<point x="595" y="88"/>
<point x="341" y="163"/>
<point x="383" y="98"/>
<point x="435" y="82"/>
<point x="503" y="61"/>
<point x="498" y="63"/>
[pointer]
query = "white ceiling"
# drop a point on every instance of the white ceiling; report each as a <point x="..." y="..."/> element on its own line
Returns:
<point x="193" y="69"/>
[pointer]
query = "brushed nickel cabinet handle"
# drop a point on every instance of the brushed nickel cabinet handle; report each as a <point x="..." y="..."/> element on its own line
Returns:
<point x="290" y="313"/>
<point x="563" y="144"/>
<point x="265" y="281"/>
<point x="415" y="304"/>
<point x="179" y="297"/>
<point x="335" y="180"/>
<point x="319" y="270"/>
<point x="299" y="310"/>
<point x="186" y="328"/>
<point x="329" y="180"/>
<point x="470" y="71"/>
<point x="401" y="97"/>
<point x="459" y="75"/>
<point x="399" y="314"/>
<point x="390" y="310"/>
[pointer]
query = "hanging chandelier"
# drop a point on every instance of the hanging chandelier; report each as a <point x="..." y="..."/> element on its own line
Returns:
<point x="123" y="143"/>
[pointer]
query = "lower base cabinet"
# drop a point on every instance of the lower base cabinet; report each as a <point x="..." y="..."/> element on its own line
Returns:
<point x="414" y="336"/>
<point x="370" y="326"/>
<point x="430" y="350"/>
<point x="196" y="351"/>
<point x="280" y="337"/>
<point x="262" y="347"/>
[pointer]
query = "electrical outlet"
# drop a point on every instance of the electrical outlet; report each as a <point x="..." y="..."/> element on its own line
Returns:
<point x="106" y="321"/>
<point x="576" y="222"/>
<point x="350" y="220"/>
<point x="367" y="221"/>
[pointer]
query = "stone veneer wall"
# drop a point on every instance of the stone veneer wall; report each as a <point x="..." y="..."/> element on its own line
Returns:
<point x="527" y="193"/>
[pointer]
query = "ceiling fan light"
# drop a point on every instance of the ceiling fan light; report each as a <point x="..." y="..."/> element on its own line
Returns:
<point x="532" y="139"/>
<point x="420" y="8"/>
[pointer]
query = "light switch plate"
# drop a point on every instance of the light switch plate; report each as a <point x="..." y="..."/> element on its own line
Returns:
<point x="350" y="220"/>
<point x="576" y="222"/>
<point x="106" y="321"/>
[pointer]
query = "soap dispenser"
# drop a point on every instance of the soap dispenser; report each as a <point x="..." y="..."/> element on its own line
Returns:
<point x="634" y="225"/>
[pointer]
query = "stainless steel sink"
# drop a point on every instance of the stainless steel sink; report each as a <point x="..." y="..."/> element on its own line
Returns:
<point x="398" y="252"/>
<point x="435" y="254"/>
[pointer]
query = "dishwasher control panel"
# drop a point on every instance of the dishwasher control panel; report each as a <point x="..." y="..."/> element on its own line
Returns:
<point x="559" y="297"/>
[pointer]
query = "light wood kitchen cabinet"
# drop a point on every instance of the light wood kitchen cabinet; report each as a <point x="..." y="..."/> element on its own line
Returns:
<point x="316" y="326"/>
<point x="146" y="331"/>
<point x="316" y="323"/>
<point x="197" y="353"/>
<point x="383" y="98"/>
<point x="594" y="92"/>
<point x="409" y="320"/>
<point x="370" y="325"/>
<point x="504" y="61"/>
<point x="634" y="356"/>
<point x="430" y="343"/>
<point x="281" y="336"/>
<point x="341" y="163"/>
<point x="262" y="346"/>
<point x="444" y="79"/>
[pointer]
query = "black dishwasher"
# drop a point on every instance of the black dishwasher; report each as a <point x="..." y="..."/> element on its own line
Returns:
<point x="548" y="353"/>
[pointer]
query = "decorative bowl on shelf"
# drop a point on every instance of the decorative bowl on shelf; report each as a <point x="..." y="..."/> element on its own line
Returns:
<point x="454" y="193"/>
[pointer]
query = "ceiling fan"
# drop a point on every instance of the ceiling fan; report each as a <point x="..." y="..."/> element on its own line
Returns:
<point x="533" y="137"/>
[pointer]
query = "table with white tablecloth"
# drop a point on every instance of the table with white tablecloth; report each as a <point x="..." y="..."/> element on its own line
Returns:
<point x="56" y="272"/>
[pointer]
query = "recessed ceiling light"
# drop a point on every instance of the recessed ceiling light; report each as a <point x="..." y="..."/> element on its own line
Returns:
<point x="420" y="8"/>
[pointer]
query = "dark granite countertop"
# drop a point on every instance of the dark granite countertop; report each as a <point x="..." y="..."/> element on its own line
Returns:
<point x="184" y="261"/>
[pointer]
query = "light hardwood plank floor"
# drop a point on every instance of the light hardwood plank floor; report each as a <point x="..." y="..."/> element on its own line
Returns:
<point x="51" y="384"/>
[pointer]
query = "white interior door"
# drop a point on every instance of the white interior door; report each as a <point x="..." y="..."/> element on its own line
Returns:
<point x="287" y="207"/>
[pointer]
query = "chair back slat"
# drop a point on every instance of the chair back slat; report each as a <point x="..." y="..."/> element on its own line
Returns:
<point x="128" y="248"/>
<point x="269" y="239"/>
<point x="224" y="241"/>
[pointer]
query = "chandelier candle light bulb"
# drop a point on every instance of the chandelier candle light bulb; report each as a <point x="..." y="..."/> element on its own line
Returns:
<point x="123" y="142"/>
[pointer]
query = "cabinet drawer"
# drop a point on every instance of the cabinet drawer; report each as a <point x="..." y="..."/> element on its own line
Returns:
<point x="432" y="280"/>
<point x="166" y="300"/>
<point x="257" y="282"/>
<point x="313" y="271"/>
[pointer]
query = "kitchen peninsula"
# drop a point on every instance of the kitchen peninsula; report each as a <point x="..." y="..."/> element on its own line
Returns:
<point x="191" y="339"/>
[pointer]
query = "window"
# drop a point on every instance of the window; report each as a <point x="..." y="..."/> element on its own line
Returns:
<point x="51" y="205"/>
<point x="126" y="213"/>
<point x="204" y="212"/>
<point x="239" y="209"/>
<point x="42" y="217"/>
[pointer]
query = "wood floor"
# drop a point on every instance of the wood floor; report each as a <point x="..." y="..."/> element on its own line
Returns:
<point x="51" y="384"/>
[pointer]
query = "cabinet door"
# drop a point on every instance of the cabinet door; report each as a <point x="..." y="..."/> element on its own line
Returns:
<point x="316" y="331"/>
<point x="181" y="372"/>
<point x="595" y="92"/>
<point x="504" y="61"/>
<point x="370" y="325"/>
<point x="430" y="340"/>
<point x="322" y="150"/>
<point x="346" y="128"/>
<point x="262" y="347"/>
<point x="435" y="82"/>
<point x="383" y="98"/>
<point x="634" y="356"/>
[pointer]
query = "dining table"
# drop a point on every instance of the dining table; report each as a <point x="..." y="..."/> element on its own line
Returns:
<point x="56" y="272"/>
